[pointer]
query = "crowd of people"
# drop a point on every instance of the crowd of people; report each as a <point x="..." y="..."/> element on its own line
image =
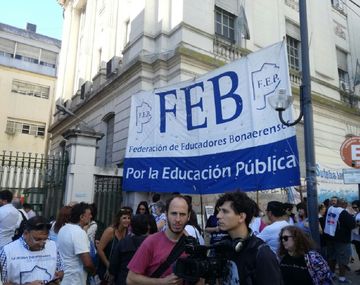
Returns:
<point x="145" y="247"/>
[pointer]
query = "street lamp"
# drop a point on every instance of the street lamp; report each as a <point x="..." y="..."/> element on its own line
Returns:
<point x="83" y="126"/>
<point x="282" y="102"/>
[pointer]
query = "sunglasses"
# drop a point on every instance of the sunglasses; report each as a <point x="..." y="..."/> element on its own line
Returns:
<point x="285" y="238"/>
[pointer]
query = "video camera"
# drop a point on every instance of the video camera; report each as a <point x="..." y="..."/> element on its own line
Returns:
<point x="208" y="262"/>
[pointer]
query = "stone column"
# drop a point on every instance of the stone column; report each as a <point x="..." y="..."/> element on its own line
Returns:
<point x="81" y="148"/>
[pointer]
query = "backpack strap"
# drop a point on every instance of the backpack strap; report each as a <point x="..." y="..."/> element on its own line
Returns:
<point x="177" y="250"/>
<point x="24" y="218"/>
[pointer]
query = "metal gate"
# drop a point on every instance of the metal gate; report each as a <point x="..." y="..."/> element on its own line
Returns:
<point x="35" y="179"/>
<point x="107" y="197"/>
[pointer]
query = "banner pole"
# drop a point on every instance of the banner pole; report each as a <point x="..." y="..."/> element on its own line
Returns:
<point x="202" y="213"/>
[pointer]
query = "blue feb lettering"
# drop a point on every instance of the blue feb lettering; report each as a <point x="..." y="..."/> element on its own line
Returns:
<point x="218" y="101"/>
<point x="189" y="106"/>
<point x="218" y="97"/>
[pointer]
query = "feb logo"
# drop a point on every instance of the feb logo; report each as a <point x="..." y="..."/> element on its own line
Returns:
<point x="143" y="116"/>
<point x="264" y="82"/>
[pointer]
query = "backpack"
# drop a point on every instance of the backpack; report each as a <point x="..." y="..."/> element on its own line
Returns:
<point x="19" y="231"/>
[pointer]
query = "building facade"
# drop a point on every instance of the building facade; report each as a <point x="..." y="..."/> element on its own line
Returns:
<point x="28" y="64"/>
<point x="112" y="49"/>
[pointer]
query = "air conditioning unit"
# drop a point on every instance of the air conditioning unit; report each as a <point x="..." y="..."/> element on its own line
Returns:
<point x="86" y="88"/>
<point x="10" y="131"/>
<point x="112" y="66"/>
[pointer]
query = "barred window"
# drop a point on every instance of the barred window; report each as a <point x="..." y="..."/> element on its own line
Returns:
<point x="14" y="126"/>
<point x="224" y="24"/>
<point x="293" y="49"/>
<point x="30" y="89"/>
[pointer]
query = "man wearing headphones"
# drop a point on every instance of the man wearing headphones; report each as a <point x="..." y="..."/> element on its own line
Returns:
<point x="252" y="261"/>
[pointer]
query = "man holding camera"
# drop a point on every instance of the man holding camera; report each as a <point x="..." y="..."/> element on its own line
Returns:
<point x="252" y="261"/>
<point x="151" y="263"/>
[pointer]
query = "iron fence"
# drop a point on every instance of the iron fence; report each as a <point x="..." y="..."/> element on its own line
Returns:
<point x="35" y="178"/>
<point x="107" y="197"/>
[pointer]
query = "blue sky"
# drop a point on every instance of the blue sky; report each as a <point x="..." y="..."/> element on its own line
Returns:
<point x="45" y="14"/>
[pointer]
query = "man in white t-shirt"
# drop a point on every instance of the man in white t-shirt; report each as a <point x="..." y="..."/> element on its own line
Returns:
<point x="31" y="259"/>
<point x="74" y="246"/>
<point x="9" y="216"/>
<point x="275" y="211"/>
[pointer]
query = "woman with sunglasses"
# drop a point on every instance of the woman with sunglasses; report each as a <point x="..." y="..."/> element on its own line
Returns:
<point x="117" y="231"/>
<point x="300" y="264"/>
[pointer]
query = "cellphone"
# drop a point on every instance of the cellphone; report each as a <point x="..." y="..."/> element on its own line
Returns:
<point x="52" y="282"/>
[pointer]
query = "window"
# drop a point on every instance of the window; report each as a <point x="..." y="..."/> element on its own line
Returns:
<point x="224" y="24"/>
<point x="341" y="58"/>
<point x="48" y="58"/>
<point x="343" y="80"/>
<point x="25" y="129"/>
<point x="293" y="49"/>
<point x="40" y="131"/>
<point x="15" y="126"/>
<point x="7" y="47"/>
<point x="28" y="53"/>
<point x="6" y="54"/>
<point x="30" y="89"/>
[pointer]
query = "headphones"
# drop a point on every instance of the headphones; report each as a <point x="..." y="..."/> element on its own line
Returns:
<point x="239" y="243"/>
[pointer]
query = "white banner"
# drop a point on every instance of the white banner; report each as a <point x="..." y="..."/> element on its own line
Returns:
<point x="330" y="182"/>
<point x="215" y="133"/>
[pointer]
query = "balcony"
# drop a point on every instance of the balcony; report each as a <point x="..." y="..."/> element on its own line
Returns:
<point x="295" y="77"/>
<point x="227" y="51"/>
<point x="28" y="66"/>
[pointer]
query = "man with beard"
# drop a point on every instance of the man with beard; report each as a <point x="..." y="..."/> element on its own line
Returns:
<point x="156" y="248"/>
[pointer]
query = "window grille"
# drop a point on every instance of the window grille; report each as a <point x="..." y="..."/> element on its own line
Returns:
<point x="293" y="49"/>
<point x="224" y="24"/>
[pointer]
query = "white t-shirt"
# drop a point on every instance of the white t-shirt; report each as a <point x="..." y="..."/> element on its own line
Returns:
<point x="255" y="225"/>
<point x="72" y="240"/>
<point x="192" y="231"/>
<point x="24" y="265"/>
<point x="31" y="214"/>
<point x="9" y="217"/>
<point x="270" y="234"/>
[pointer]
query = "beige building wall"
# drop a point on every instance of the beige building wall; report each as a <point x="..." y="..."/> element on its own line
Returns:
<point x="27" y="82"/>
